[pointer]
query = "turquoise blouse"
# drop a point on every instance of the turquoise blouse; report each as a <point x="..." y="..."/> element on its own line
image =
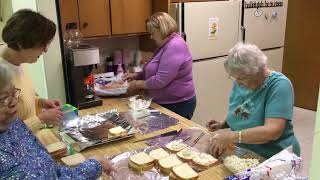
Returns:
<point x="249" y="108"/>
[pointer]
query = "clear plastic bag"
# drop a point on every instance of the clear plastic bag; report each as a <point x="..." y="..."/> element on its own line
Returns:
<point x="283" y="166"/>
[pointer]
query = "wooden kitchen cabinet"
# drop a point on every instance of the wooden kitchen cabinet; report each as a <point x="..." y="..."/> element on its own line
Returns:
<point x="146" y="44"/>
<point x="109" y="17"/>
<point x="68" y="12"/>
<point x="129" y="16"/>
<point x="94" y="17"/>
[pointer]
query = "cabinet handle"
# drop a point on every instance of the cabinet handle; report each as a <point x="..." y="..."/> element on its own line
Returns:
<point x="85" y="24"/>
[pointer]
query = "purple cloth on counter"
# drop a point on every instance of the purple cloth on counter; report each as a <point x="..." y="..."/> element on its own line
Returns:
<point x="168" y="75"/>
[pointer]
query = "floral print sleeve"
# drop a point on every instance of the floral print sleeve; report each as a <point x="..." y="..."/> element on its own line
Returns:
<point x="90" y="169"/>
<point x="22" y="156"/>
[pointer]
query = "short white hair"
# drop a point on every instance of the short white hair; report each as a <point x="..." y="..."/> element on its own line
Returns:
<point x="245" y="59"/>
<point x="5" y="76"/>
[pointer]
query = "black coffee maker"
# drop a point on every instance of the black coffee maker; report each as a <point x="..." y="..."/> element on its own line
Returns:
<point x="80" y="60"/>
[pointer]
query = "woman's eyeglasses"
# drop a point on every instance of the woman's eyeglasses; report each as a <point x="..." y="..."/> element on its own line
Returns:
<point x="241" y="79"/>
<point x="14" y="94"/>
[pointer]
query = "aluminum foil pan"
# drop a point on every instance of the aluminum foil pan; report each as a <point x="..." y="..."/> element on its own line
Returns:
<point x="79" y="129"/>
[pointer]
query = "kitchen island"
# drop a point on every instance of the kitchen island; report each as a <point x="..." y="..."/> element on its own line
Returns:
<point x="46" y="137"/>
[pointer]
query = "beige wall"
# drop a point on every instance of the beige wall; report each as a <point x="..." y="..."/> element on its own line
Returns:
<point x="52" y="59"/>
<point x="5" y="13"/>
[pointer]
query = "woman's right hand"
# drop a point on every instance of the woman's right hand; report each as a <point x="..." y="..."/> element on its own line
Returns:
<point x="130" y="76"/>
<point x="214" y="125"/>
<point x="51" y="116"/>
<point x="105" y="164"/>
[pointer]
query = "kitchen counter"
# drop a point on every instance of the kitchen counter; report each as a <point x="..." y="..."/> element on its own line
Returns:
<point x="216" y="172"/>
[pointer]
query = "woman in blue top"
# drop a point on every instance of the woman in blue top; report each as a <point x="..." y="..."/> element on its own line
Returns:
<point x="22" y="156"/>
<point x="260" y="106"/>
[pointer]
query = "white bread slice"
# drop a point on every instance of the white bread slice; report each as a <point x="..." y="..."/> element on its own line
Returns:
<point x="187" y="154"/>
<point x="140" y="168"/>
<point x="204" y="161"/>
<point x="176" y="146"/>
<point x="54" y="147"/>
<point x="184" y="172"/>
<point x="73" y="160"/>
<point x="158" y="154"/>
<point x="141" y="158"/>
<point x="141" y="162"/>
<point x="117" y="131"/>
<point x="166" y="164"/>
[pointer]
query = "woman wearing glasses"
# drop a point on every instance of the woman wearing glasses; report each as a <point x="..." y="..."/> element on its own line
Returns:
<point x="22" y="156"/>
<point x="27" y="35"/>
<point x="260" y="107"/>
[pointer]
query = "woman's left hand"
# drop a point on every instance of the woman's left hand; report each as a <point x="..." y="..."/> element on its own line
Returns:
<point x="220" y="140"/>
<point x="49" y="104"/>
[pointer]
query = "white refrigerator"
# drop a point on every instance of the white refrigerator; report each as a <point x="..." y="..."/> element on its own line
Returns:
<point x="211" y="29"/>
<point x="263" y="23"/>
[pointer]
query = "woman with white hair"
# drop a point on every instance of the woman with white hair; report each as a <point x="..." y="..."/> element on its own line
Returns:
<point x="260" y="106"/>
<point x="22" y="156"/>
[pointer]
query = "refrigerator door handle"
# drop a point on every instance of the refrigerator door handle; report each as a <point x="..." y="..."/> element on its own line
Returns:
<point x="243" y="30"/>
<point x="180" y="17"/>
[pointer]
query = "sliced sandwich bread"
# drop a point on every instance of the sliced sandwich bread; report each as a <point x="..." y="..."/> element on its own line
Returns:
<point x="117" y="131"/>
<point x="158" y="154"/>
<point x="73" y="160"/>
<point x="204" y="161"/>
<point x="54" y="147"/>
<point x="176" y="146"/>
<point x="166" y="164"/>
<point x="141" y="162"/>
<point x="187" y="154"/>
<point x="183" y="172"/>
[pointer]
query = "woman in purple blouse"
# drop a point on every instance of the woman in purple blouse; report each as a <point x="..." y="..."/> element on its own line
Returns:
<point x="167" y="77"/>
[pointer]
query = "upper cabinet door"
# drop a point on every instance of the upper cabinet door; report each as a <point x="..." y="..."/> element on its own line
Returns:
<point x="94" y="17"/>
<point x="160" y="6"/>
<point x="68" y="12"/>
<point x="128" y="16"/>
<point x="136" y="14"/>
<point x="117" y="16"/>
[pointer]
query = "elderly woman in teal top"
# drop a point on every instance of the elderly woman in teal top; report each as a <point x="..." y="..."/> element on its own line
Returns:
<point x="260" y="106"/>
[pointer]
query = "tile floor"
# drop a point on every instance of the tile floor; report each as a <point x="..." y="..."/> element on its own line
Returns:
<point x="304" y="122"/>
